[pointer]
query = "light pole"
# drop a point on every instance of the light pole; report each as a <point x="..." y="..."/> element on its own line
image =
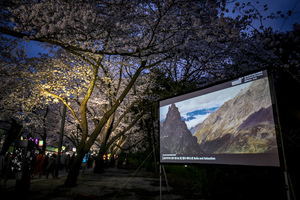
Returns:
<point x="60" y="139"/>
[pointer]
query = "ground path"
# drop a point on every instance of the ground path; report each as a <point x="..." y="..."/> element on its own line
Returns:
<point x="113" y="184"/>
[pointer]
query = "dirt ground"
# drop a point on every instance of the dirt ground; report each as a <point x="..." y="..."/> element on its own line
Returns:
<point x="115" y="184"/>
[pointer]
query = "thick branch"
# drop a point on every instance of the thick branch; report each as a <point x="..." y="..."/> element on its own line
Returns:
<point x="83" y="107"/>
<point x="116" y="105"/>
<point x="62" y="44"/>
<point x="56" y="96"/>
<point x="123" y="115"/>
<point x="113" y="139"/>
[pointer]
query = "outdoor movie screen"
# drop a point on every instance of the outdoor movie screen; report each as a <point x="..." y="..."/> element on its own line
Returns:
<point x="230" y="123"/>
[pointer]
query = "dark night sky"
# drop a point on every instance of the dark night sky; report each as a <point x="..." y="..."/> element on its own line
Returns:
<point x="277" y="5"/>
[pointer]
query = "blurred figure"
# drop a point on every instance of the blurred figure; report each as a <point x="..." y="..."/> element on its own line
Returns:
<point x="52" y="164"/>
<point x="39" y="164"/>
<point x="63" y="157"/>
<point x="2" y="166"/>
<point x="45" y="163"/>
<point x="68" y="160"/>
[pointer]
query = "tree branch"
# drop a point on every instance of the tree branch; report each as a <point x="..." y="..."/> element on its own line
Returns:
<point x="83" y="106"/>
<point x="56" y="96"/>
<point x="113" y="139"/>
<point x="106" y="116"/>
<point x="65" y="46"/>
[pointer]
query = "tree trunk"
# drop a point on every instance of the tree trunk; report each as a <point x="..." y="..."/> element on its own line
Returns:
<point x="99" y="164"/>
<point x="74" y="171"/>
<point x="44" y="136"/>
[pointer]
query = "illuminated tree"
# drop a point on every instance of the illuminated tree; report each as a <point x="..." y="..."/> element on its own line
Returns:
<point x="101" y="54"/>
<point x="17" y="102"/>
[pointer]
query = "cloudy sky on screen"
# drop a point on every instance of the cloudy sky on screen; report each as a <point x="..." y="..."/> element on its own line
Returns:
<point x="202" y="103"/>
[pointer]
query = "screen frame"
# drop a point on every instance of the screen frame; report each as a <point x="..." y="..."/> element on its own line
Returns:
<point x="231" y="159"/>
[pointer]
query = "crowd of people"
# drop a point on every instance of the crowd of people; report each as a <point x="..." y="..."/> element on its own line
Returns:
<point x="38" y="165"/>
<point x="44" y="165"/>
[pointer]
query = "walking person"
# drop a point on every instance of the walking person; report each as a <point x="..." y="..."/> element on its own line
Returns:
<point x="39" y="164"/>
<point x="68" y="160"/>
<point x="71" y="161"/>
<point x="45" y="163"/>
<point x="52" y="164"/>
<point x="63" y="157"/>
<point x="2" y="167"/>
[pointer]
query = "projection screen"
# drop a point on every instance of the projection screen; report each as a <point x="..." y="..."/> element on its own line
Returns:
<point x="230" y="123"/>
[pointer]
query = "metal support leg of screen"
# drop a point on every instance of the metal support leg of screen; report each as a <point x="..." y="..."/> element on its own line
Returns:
<point x="160" y="179"/>
<point x="287" y="178"/>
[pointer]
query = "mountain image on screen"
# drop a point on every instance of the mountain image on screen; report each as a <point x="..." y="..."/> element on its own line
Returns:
<point x="243" y="124"/>
<point x="175" y="137"/>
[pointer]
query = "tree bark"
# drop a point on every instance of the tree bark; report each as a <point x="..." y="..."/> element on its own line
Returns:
<point x="74" y="172"/>
<point x="44" y="136"/>
<point x="99" y="165"/>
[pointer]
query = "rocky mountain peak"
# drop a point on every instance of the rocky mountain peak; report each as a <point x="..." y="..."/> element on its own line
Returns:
<point x="173" y="113"/>
<point x="175" y="136"/>
<point x="238" y="125"/>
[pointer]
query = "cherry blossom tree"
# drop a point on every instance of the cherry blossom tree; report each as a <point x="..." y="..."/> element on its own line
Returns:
<point x="285" y="46"/>
<point x="63" y="83"/>
<point x="257" y="46"/>
<point x="101" y="54"/>
<point x="17" y="101"/>
<point x="133" y="35"/>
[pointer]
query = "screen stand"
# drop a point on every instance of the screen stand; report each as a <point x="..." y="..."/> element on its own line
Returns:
<point x="287" y="178"/>
<point x="160" y="179"/>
